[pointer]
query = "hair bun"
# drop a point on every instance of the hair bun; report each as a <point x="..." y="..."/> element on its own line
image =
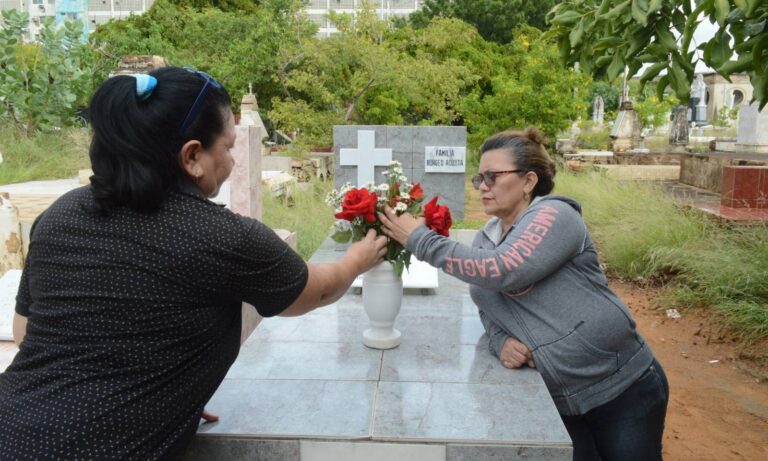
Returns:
<point x="535" y="135"/>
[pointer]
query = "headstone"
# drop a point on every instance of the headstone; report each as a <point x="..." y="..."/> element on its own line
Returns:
<point x="249" y="112"/>
<point x="245" y="196"/>
<point x="598" y="110"/>
<point x="698" y="101"/>
<point x="626" y="131"/>
<point x="678" y="128"/>
<point x="752" y="134"/>
<point x="9" y="287"/>
<point x="434" y="156"/>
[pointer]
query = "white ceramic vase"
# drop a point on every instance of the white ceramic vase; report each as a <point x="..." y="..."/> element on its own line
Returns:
<point x="382" y="296"/>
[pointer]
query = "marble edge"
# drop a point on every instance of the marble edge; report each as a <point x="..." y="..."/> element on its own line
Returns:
<point x="387" y="439"/>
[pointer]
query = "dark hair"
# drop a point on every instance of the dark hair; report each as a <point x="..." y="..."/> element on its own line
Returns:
<point x="528" y="152"/>
<point x="135" y="145"/>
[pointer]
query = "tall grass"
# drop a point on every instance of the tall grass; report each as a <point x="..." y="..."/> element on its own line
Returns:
<point x="45" y="156"/>
<point x="642" y="232"/>
<point x="305" y="213"/>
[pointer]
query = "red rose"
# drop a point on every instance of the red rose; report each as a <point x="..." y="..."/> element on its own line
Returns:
<point x="416" y="193"/>
<point x="358" y="202"/>
<point x="438" y="217"/>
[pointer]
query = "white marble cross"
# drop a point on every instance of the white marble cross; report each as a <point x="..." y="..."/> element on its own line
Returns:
<point x="366" y="157"/>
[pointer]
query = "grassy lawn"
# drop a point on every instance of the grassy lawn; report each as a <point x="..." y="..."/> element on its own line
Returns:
<point x="45" y="156"/>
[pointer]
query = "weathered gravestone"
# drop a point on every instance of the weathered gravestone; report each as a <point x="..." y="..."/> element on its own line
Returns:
<point x="626" y="131"/>
<point x="434" y="156"/>
<point x="598" y="110"/>
<point x="752" y="134"/>
<point x="678" y="127"/>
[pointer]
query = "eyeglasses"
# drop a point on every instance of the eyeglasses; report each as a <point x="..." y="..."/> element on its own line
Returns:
<point x="198" y="104"/>
<point x="490" y="177"/>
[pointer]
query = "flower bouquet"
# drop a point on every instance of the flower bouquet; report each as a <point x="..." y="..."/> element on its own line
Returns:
<point x="355" y="211"/>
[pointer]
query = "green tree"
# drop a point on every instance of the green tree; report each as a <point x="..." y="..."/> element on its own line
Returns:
<point x="42" y="84"/>
<point x="494" y="19"/>
<point x="606" y="36"/>
<point x="358" y="77"/>
<point x="529" y="88"/>
<point x="188" y="36"/>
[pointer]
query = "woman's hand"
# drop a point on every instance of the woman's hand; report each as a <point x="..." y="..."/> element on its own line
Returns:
<point x="396" y="227"/>
<point x="515" y="354"/>
<point x="368" y="252"/>
<point x="209" y="417"/>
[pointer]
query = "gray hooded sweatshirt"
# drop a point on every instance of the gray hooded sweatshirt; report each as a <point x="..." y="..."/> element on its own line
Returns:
<point x="541" y="283"/>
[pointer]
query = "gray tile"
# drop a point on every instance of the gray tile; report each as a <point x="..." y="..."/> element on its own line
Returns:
<point x="440" y="329"/>
<point x="451" y="364"/>
<point x="205" y="448"/>
<point x="400" y="138"/>
<point x="522" y="414"/>
<point x="306" y="360"/>
<point x="405" y="159"/>
<point x="345" y="136"/>
<point x="332" y="324"/>
<point x="440" y="136"/>
<point x="370" y="451"/>
<point x="507" y="453"/>
<point x="291" y="408"/>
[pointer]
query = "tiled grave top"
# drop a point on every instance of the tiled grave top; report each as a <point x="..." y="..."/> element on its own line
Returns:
<point x="307" y="388"/>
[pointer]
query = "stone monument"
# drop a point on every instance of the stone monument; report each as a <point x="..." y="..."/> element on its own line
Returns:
<point x="434" y="156"/>
<point x="678" y="128"/>
<point x="698" y="101"/>
<point x="626" y="130"/>
<point x="752" y="134"/>
<point x="598" y="110"/>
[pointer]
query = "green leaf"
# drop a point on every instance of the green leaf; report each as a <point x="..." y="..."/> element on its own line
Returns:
<point x="678" y="81"/>
<point x="651" y="72"/>
<point x="722" y="8"/>
<point x="741" y="4"/>
<point x="617" y="10"/>
<point x="655" y="5"/>
<point x="566" y="18"/>
<point x="720" y="50"/>
<point x="742" y="64"/>
<point x="752" y="6"/>
<point x="576" y="34"/>
<point x="638" y="13"/>
<point x="666" y="39"/>
<point x="616" y="67"/>
<point x="608" y="42"/>
<point x="678" y="21"/>
<point x="661" y="86"/>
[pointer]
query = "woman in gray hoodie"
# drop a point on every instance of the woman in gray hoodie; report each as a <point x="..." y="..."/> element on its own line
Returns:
<point x="545" y="303"/>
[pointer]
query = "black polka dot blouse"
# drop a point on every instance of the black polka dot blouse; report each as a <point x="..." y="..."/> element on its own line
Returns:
<point x="133" y="322"/>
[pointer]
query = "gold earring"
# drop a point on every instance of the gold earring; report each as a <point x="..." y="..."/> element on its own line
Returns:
<point x="526" y="195"/>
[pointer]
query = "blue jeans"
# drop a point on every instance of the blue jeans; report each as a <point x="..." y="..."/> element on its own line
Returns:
<point x="628" y="427"/>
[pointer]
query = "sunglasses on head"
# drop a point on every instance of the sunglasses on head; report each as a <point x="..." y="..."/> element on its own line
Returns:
<point x="489" y="177"/>
<point x="198" y="104"/>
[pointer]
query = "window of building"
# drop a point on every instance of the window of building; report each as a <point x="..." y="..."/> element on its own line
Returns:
<point x="737" y="98"/>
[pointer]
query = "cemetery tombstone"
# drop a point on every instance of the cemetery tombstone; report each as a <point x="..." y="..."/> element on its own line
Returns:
<point x="626" y="130"/>
<point x="678" y="128"/>
<point x="434" y="156"/>
<point x="598" y="110"/>
<point x="752" y="134"/>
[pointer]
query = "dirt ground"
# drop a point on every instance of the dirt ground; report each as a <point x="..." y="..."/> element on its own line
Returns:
<point x="718" y="409"/>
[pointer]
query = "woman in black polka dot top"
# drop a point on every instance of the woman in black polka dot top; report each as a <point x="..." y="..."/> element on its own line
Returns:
<point x="130" y="301"/>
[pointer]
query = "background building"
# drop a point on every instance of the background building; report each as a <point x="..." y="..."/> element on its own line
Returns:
<point x="90" y="12"/>
<point x="318" y="10"/>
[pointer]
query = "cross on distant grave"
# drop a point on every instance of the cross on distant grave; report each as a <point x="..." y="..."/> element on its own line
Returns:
<point x="366" y="157"/>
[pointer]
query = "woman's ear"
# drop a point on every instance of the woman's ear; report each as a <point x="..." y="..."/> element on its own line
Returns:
<point x="531" y="179"/>
<point x="189" y="158"/>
